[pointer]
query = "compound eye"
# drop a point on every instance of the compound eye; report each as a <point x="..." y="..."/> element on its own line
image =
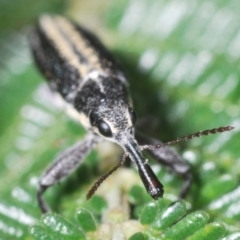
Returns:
<point x="104" y="129"/>
<point x="133" y="116"/>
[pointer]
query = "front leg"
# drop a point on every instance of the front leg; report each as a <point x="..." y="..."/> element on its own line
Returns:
<point x="64" y="165"/>
<point x="167" y="156"/>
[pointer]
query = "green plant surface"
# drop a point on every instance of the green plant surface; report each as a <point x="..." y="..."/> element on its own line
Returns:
<point x="182" y="62"/>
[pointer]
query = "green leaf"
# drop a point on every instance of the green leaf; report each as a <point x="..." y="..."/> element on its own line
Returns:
<point x="210" y="231"/>
<point x="149" y="212"/>
<point x="40" y="233"/>
<point x="138" y="236"/>
<point x="218" y="187"/>
<point x="187" y="226"/>
<point x="97" y="204"/>
<point x="86" y="220"/>
<point x="56" y="224"/>
<point x="169" y="215"/>
<point x="55" y="227"/>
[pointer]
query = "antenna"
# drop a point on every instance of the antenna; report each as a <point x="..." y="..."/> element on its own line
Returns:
<point x="188" y="137"/>
<point x="105" y="176"/>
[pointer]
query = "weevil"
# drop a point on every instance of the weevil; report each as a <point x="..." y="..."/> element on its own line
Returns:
<point x="84" y="75"/>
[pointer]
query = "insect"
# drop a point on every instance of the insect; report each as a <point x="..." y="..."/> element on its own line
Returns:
<point x="84" y="75"/>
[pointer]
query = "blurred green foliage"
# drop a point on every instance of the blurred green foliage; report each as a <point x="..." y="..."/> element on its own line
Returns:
<point x="182" y="59"/>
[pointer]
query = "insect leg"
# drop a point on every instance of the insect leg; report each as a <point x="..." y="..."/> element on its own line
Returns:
<point x="63" y="166"/>
<point x="167" y="156"/>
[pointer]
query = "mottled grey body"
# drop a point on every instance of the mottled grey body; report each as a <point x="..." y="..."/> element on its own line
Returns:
<point x="87" y="78"/>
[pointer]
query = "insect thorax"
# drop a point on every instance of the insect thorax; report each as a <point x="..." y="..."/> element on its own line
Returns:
<point x="105" y="96"/>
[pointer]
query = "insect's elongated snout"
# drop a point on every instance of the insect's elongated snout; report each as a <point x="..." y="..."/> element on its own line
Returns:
<point x="153" y="186"/>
